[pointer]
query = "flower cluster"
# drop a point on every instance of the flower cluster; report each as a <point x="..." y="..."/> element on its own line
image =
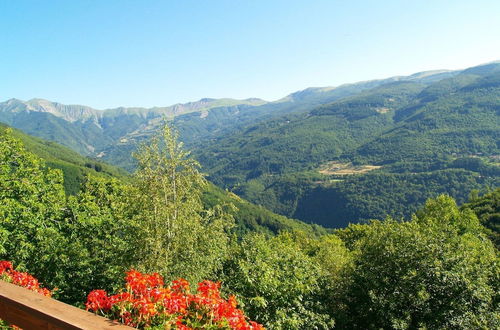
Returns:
<point x="8" y="274"/>
<point x="147" y="302"/>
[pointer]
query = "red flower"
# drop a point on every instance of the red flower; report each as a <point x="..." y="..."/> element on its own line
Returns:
<point x="5" y="266"/>
<point x="25" y="280"/>
<point x="98" y="300"/>
<point x="147" y="302"/>
<point x="209" y="289"/>
<point x="180" y="285"/>
<point x="119" y="297"/>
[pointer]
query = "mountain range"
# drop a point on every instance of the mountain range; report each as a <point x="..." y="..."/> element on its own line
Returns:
<point x="91" y="131"/>
<point x="88" y="130"/>
<point x="328" y="155"/>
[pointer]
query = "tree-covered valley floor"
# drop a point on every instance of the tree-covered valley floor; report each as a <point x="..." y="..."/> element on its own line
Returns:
<point x="439" y="269"/>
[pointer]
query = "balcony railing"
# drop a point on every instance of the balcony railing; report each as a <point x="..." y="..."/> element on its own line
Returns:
<point x="30" y="310"/>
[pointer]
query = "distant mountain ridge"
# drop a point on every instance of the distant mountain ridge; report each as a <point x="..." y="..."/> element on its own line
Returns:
<point x="88" y="130"/>
<point x="74" y="113"/>
<point x="111" y="134"/>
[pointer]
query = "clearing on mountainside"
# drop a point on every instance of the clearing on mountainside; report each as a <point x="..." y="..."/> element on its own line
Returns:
<point x="336" y="168"/>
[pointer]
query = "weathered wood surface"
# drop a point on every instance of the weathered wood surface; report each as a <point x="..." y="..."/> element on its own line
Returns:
<point x="30" y="310"/>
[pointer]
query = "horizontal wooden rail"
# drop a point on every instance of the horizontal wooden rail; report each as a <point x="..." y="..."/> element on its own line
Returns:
<point x="31" y="310"/>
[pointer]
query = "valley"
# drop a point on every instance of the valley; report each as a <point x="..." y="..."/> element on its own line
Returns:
<point x="76" y="169"/>
<point x="381" y="146"/>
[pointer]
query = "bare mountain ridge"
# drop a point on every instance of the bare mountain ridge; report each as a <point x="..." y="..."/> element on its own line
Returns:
<point x="74" y="113"/>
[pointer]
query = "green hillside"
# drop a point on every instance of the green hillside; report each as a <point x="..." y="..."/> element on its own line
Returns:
<point x="253" y="218"/>
<point x="457" y="116"/>
<point x="417" y="140"/>
<point x="75" y="168"/>
<point x="73" y="165"/>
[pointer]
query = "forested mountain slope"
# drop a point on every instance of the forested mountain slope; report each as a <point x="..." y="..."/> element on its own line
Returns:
<point x="76" y="168"/>
<point x="88" y="130"/>
<point x="379" y="152"/>
<point x="459" y="115"/>
<point x="113" y="133"/>
<point x="303" y="141"/>
<point x="73" y="165"/>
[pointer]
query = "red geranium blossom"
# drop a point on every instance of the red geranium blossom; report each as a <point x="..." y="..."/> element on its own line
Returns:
<point x="8" y="274"/>
<point x="147" y="302"/>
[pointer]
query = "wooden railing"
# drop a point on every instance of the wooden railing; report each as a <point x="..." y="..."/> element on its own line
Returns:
<point x="30" y="310"/>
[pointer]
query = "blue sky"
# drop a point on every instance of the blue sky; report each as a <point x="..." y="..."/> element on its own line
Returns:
<point x="154" y="53"/>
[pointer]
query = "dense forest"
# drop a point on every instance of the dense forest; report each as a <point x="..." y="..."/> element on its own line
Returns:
<point x="384" y="150"/>
<point x="438" y="268"/>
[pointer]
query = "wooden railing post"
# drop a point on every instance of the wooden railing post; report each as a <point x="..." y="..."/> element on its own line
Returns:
<point x="30" y="310"/>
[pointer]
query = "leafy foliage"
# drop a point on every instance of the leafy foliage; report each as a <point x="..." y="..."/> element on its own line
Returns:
<point x="487" y="209"/>
<point x="89" y="240"/>
<point x="436" y="271"/>
<point x="181" y="238"/>
<point x="31" y="206"/>
<point x="277" y="283"/>
<point x="99" y="223"/>
<point x="66" y="243"/>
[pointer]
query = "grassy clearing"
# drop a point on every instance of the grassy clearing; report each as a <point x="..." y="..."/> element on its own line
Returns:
<point x="336" y="168"/>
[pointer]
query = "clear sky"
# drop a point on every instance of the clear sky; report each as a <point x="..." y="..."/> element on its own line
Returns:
<point x="107" y="53"/>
